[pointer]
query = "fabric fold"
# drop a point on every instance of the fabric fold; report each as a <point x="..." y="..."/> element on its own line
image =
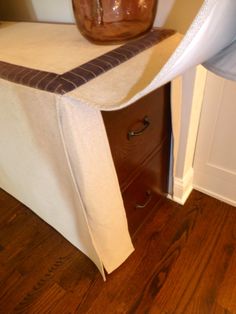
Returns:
<point x="95" y="177"/>
<point x="64" y="170"/>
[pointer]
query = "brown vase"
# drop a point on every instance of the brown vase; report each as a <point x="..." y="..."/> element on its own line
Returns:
<point x="112" y="21"/>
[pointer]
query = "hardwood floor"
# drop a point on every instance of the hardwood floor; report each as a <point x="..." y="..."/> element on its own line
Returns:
<point x="185" y="262"/>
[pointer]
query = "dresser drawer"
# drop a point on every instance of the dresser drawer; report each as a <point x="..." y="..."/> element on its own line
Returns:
<point x="136" y="131"/>
<point x="148" y="188"/>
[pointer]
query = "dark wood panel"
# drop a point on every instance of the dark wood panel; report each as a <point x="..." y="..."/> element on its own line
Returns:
<point x="127" y="153"/>
<point x="148" y="188"/>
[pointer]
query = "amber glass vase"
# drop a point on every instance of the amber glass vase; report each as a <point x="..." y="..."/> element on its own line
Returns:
<point x="113" y="21"/>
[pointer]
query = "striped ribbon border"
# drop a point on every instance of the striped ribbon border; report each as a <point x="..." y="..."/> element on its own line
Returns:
<point x="68" y="81"/>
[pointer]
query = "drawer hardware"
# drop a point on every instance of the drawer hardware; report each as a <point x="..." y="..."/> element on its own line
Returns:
<point x="146" y="124"/>
<point x="148" y="200"/>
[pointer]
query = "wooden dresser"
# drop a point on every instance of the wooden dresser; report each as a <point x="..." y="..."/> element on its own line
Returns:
<point x="140" y="137"/>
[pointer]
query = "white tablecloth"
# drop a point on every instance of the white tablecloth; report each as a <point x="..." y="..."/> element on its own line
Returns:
<point x="55" y="156"/>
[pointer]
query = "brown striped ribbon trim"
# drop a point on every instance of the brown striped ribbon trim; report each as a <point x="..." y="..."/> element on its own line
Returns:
<point x="68" y="81"/>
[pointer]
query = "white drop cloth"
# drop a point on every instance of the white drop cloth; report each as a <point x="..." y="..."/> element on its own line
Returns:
<point x="55" y="156"/>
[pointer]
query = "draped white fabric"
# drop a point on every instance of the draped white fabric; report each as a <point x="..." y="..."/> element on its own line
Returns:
<point x="210" y="40"/>
<point x="224" y="63"/>
<point x="60" y="139"/>
<point x="213" y="29"/>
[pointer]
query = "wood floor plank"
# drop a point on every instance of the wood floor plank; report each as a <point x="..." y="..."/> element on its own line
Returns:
<point x="11" y="229"/>
<point x="7" y="288"/>
<point x="158" y="245"/>
<point x="216" y="270"/>
<point x="189" y="274"/>
<point x="184" y="263"/>
<point x="7" y="203"/>
<point x="76" y="280"/>
<point x="15" y="242"/>
<point x="227" y="292"/>
<point x="37" y="263"/>
<point x="184" y="275"/>
<point x="47" y="300"/>
<point x="31" y="287"/>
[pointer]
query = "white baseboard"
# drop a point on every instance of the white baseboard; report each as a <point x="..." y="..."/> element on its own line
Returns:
<point x="215" y="195"/>
<point x="182" y="187"/>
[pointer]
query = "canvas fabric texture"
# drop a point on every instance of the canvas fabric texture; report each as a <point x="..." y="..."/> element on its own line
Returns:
<point x="55" y="156"/>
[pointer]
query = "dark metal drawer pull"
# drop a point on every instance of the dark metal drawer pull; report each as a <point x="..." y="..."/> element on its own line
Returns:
<point x="149" y="197"/>
<point x="146" y="124"/>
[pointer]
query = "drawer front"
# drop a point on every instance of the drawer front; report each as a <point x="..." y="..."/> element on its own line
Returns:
<point x="148" y="188"/>
<point x="136" y="131"/>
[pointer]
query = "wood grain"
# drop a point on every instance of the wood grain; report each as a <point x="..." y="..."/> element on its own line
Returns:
<point x="129" y="154"/>
<point x="227" y="293"/>
<point x="184" y="262"/>
<point x="142" y="162"/>
<point x="152" y="178"/>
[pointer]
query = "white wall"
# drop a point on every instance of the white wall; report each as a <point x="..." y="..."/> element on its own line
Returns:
<point x="37" y="10"/>
<point x="176" y="14"/>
